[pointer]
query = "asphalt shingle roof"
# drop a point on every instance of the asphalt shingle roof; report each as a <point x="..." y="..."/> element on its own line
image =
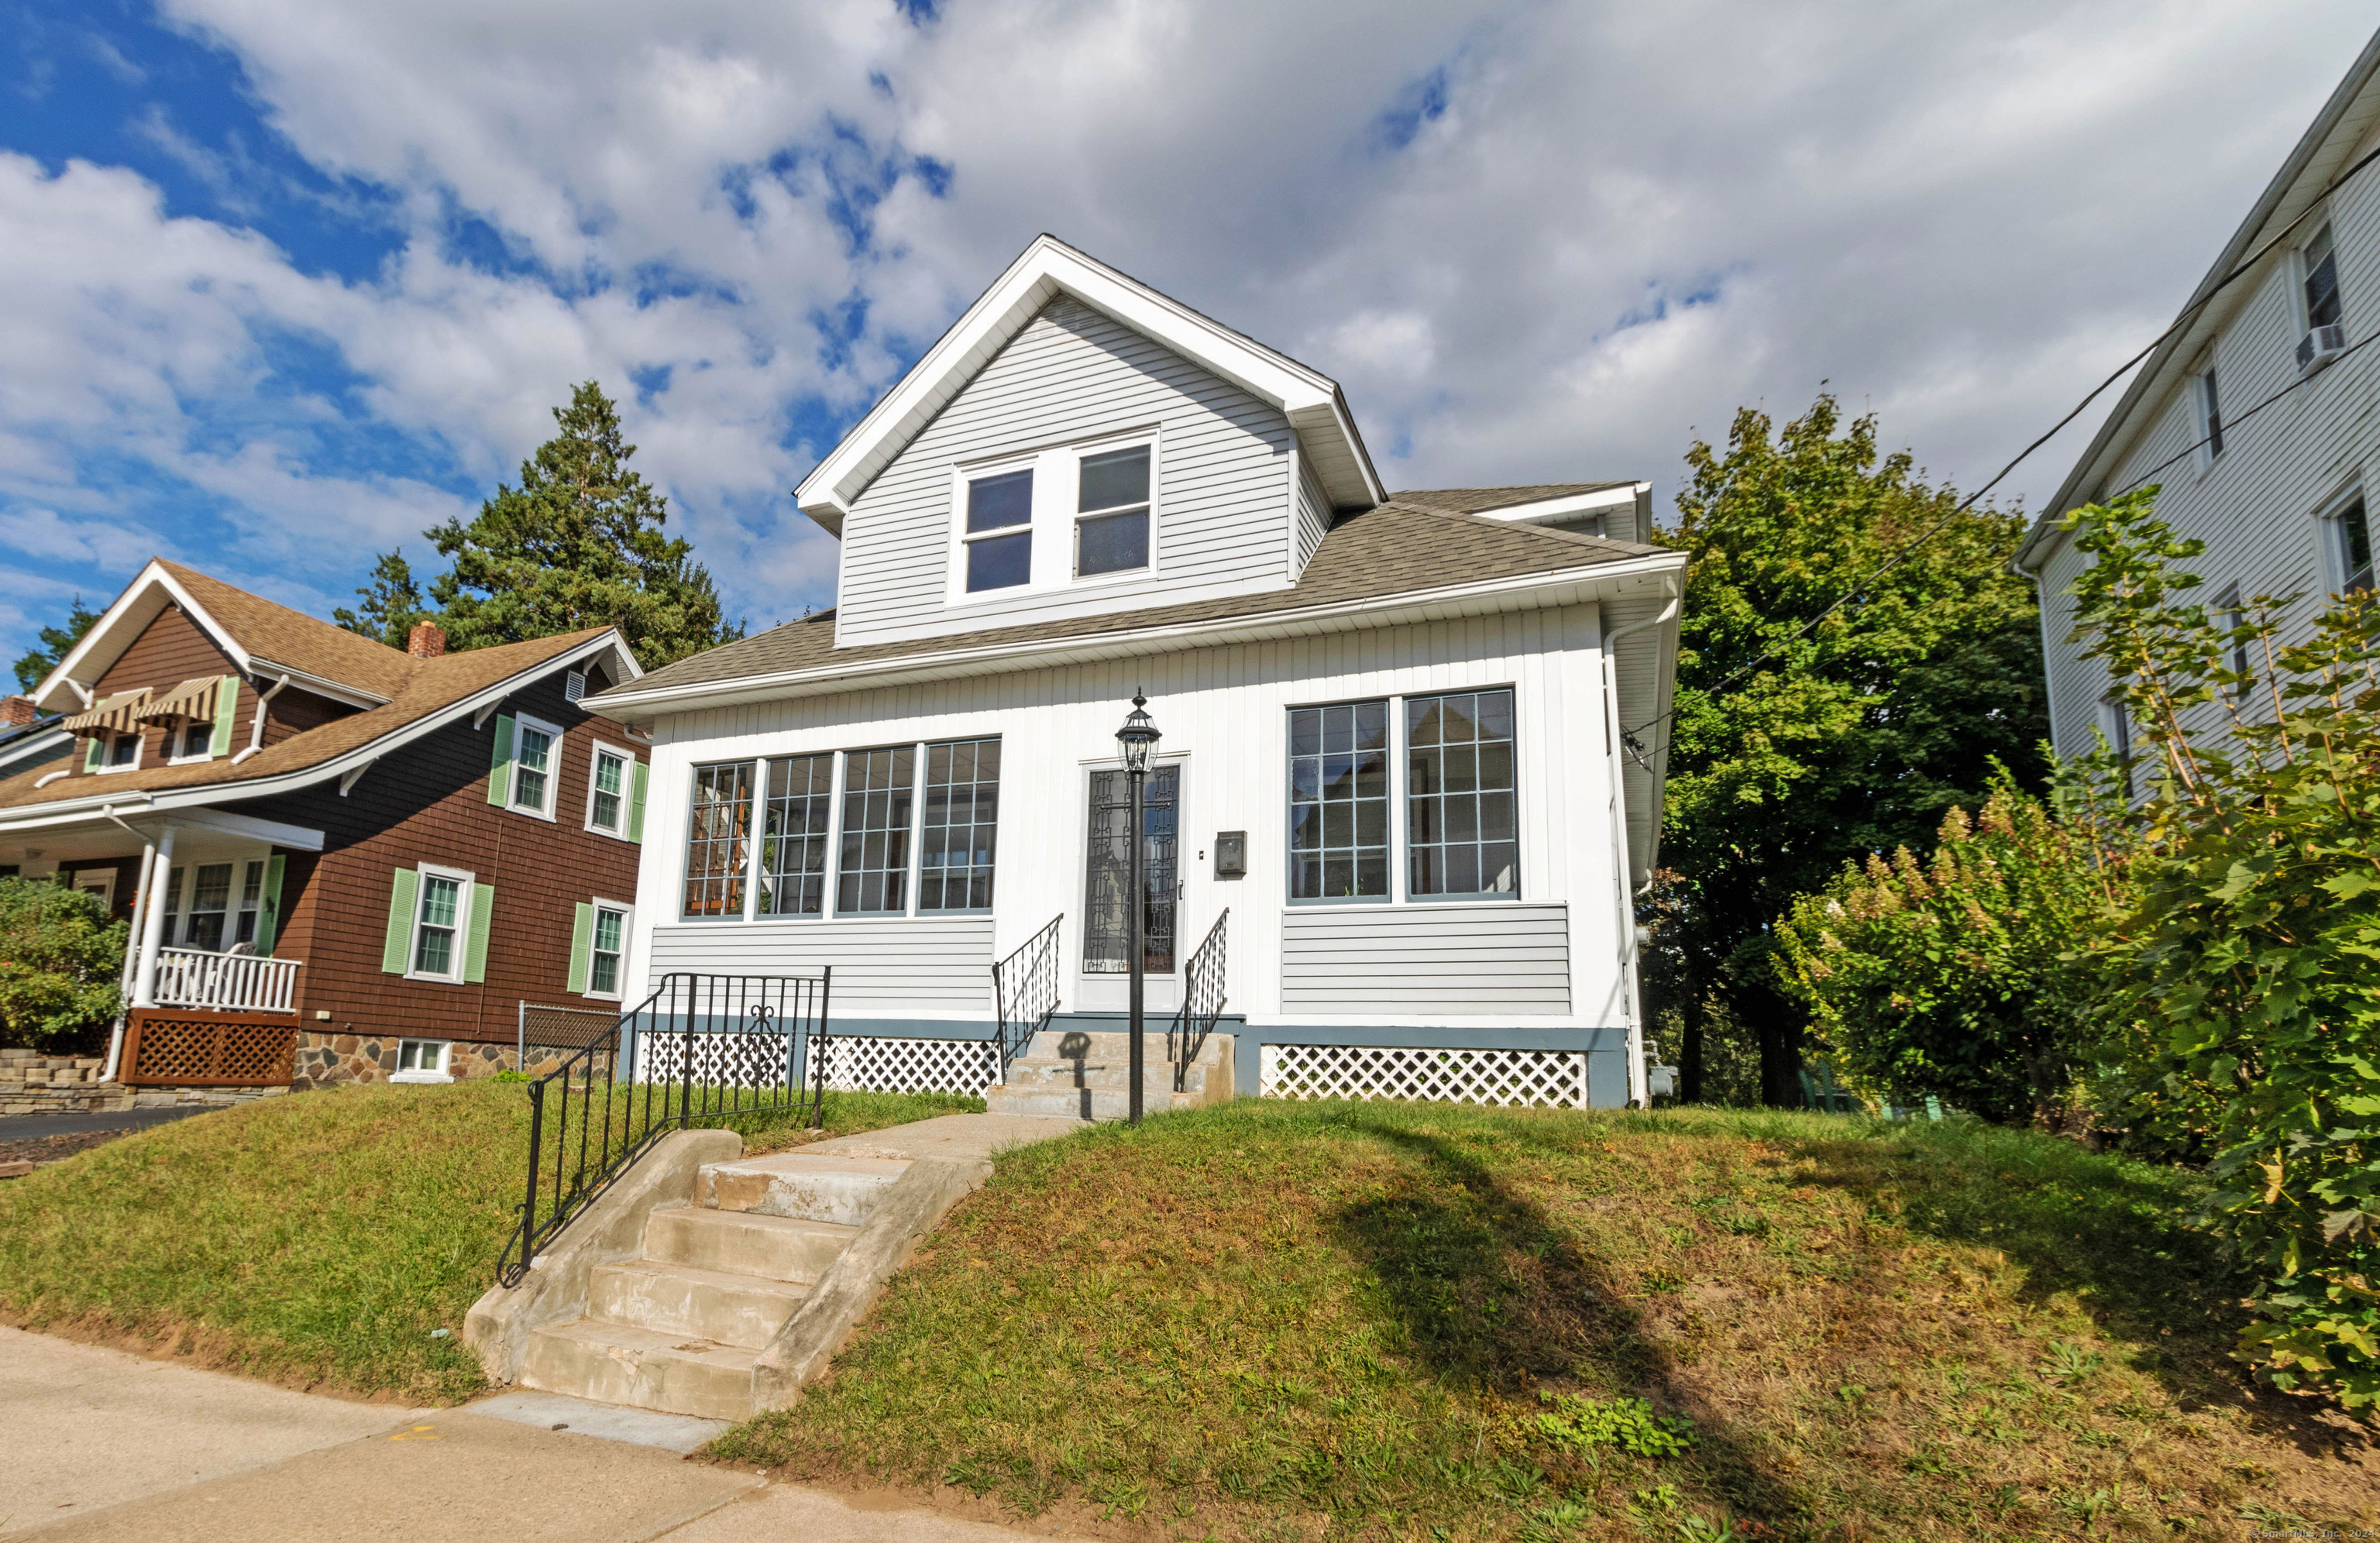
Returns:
<point x="1473" y="500"/>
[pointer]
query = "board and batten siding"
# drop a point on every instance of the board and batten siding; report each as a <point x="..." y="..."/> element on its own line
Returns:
<point x="1468" y="959"/>
<point x="909" y="967"/>
<point x="2258" y="506"/>
<point x="1075" y="374"/>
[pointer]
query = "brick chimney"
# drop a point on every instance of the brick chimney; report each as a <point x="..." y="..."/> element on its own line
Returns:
<point x="17" y="712"/>
<point x="427" y="640"/>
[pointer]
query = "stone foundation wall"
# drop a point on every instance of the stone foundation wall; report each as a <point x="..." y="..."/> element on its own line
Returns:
<point x="32" y="1082"/>
<point x="328" y="1060"/>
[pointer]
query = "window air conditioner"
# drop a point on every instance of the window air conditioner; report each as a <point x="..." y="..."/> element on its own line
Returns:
<point x="2321" y="346"/>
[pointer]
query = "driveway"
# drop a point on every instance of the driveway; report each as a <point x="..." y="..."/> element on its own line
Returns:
<point x="106" y="1445"/>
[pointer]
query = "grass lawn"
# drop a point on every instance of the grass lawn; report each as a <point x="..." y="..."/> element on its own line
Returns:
<point x="317" y="1239"/>
<point x="1417" y="1322"/>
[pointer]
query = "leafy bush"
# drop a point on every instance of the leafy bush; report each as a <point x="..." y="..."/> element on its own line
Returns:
<point x="60" y="959"/>
<point x="1953" y="976"/>
<point x="2244" y="981"/>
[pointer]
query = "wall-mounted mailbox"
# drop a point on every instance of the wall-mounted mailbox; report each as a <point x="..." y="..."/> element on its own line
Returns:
<point x="1232" y="854"/>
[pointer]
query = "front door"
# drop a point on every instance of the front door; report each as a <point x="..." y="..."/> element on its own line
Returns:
<point x="1107" y="882"/>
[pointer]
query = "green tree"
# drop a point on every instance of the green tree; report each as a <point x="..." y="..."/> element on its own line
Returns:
<point x="578" y="544"/>
<point x="59" y="961"/>
<point x="56" y="641"/>
<point x="1860" y="732"/>
<point x="392" y="603"/>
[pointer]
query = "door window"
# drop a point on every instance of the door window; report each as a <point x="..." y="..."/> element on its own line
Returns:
<point x="1106" y="943"/>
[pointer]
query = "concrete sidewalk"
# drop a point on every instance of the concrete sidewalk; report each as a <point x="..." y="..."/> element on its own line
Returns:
<point x="102" y="1445"/>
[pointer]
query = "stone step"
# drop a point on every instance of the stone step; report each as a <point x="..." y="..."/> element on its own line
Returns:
<point x="1052" y="1044"/>
<point x="745" y="1243"/>
<point x="837" y="1189"/>
<point x="1082" y="1103"/>
<point x="1035" y="1075"/>
<point x="616" y="1363"/>
<point x="696" y="1303"/>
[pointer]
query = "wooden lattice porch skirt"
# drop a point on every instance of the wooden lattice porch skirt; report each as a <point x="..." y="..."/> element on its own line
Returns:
<point x="209" y="1049"/>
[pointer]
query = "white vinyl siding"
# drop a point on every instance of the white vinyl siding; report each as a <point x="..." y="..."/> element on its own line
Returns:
<point x="1455" y="959"/>
<point x="925" y="968"/>
<point x="1070" y="377"/>
<point x="1313" y="515"/>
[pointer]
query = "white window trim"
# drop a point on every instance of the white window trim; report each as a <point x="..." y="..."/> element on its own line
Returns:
<point x="2300" y="269"/>
<point x="446" y="1048"/>
<point x="139" y="754"/>
<point x="627" y="931"/>
<point x="552" y="768"/>
<point x="1056" y="486"/>
<point x="2333" y="526"/>
<point x="181" y="734"/>
<point x="462" y="924"/>
<point x="627" y="785"/>
<point x="2204" y="455"/>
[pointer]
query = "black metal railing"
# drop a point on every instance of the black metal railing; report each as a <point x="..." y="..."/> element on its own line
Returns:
<point x="1202" y="1001"/>
<point x="1025" y="991"/>
<point x="703" y="1050"/>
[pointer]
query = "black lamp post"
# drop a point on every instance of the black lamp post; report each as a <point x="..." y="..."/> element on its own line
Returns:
<point x="1138" y="739"/>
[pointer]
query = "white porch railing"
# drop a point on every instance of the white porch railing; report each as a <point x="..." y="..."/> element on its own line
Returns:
<point x="240" y="982"/>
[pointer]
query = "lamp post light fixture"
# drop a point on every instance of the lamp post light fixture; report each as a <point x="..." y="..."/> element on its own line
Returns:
<point x="1138" y="739"/>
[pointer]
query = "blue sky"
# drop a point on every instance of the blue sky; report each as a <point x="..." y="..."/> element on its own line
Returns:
<point x="289" y="282"/>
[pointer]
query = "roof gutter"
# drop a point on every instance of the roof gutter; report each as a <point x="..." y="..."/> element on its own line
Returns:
<point x="997" y="657"/>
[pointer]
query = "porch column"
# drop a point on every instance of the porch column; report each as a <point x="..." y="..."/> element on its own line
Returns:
<point x="153" y="924"/>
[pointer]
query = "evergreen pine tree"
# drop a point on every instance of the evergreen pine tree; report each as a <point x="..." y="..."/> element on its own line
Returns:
<point x="392" y="603"/>
<point x="56" y="641"/>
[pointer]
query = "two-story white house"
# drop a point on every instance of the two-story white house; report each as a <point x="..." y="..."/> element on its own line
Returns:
<point x="2256" y="419"/>
<point x="1413" y="744"/>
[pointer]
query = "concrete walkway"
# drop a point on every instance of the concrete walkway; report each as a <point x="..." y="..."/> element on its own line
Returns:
<point x="954" y="1136"/>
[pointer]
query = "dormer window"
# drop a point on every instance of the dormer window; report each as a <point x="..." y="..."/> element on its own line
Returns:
<point x="1111" y="517"/>
<point x="999" y="531"/>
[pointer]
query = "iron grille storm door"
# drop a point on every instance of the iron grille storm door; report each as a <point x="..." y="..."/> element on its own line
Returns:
<point x="1108" y="866"/>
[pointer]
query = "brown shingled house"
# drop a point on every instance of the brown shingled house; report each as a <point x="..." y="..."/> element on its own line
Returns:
<point x="339" y="860"/>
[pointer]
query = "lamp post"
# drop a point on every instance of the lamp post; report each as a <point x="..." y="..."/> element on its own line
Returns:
<point x="1138" y="739"/>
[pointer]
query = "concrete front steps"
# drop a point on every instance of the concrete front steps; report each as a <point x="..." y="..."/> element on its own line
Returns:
<point x="1088" y="1076"/>
<point x="681" y="1327"/>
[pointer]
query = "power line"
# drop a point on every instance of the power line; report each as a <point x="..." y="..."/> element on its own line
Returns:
<point x="2203" y="441"/>
<point x="1901" y="554"/>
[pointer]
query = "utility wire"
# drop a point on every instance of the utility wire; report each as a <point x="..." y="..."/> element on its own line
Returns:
<point x="1903" y="554"/>
<point x="2204" y="440"/>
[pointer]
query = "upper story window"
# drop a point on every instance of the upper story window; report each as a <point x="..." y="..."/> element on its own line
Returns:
<point x="1112" y="513"/>
<point x="999" y="531"/>
<point x="2320" y="264"/>
<point x="2210" y="416"/>
<point x="195" y="742"/>
<point x="2350" y="546"/>
<point x="615" y="793"/>
<point x="438" y="925"/>
<point x="525" y="766"/>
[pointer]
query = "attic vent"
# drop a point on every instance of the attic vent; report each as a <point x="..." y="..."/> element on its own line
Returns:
<point x="574" y="685"/>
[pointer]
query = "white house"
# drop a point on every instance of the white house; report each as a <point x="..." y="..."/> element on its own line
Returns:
<point x="2255" y="419"/>
<point x="1413" y="744"/>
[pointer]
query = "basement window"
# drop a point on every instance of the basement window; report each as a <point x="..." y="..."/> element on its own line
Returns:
<point x="421" y="1061"/>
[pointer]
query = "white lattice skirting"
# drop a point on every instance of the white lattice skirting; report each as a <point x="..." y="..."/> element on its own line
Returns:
<point x="1554" y="1078"/>
<point x="857" y="1062"/>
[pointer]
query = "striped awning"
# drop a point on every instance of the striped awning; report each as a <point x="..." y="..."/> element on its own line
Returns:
<point x="112" y="715"/>
<point x="192" y="699"/>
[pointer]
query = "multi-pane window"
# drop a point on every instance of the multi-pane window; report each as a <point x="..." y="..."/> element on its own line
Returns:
<point x="879" y="793"/>
<point x="999" y="530"/>
<point x="1461" y="835"/>
<point x="210" y="902"/>
<point x="1111" y="521"/>
<point x="610" y="781"/>
<point x="1339" y="802"/>
<point x="961" y="816"/>
<point x="532" y="768"/>
<point x="603" y="958"/>
<point x="716" y="835"/>
<point x="252" y="894"/>
<point x="440" y="915"/>
<point x="2351" y="531"/>
<point x="2321" y="280"/>
<point x="794" y="824"/>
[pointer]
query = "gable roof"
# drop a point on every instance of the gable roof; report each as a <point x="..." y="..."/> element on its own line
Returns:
<point x="1045" y="269"/>
<point x="2320" y="154"/>
<point x="1369" y="562"/>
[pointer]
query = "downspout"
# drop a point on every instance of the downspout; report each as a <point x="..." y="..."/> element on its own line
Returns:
<point x="256" y="734"/>
<point x="1639" y="1095"/>
<point x="152" y="926"/>
<point x="139" y="915"/>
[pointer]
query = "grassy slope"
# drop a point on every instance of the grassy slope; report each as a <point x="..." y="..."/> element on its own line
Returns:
<point x="315" y="1238"/>
<point x="1257" y="1319"/>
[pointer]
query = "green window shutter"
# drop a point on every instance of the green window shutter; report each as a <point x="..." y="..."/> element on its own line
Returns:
<point x="268" y="905"/>
<point x="499" y="764"/>
<point x="582" y="948"/>
<point x="91" y="756"/>
<point x="226" y="710"/>
<point x="403" y="896"/>
<point x="475" y="952"/>
<point x="636" y="801"/>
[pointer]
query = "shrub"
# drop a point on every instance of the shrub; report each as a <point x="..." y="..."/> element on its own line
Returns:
<point x="60" y="959"/>
<point x="1953" y="976"/>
